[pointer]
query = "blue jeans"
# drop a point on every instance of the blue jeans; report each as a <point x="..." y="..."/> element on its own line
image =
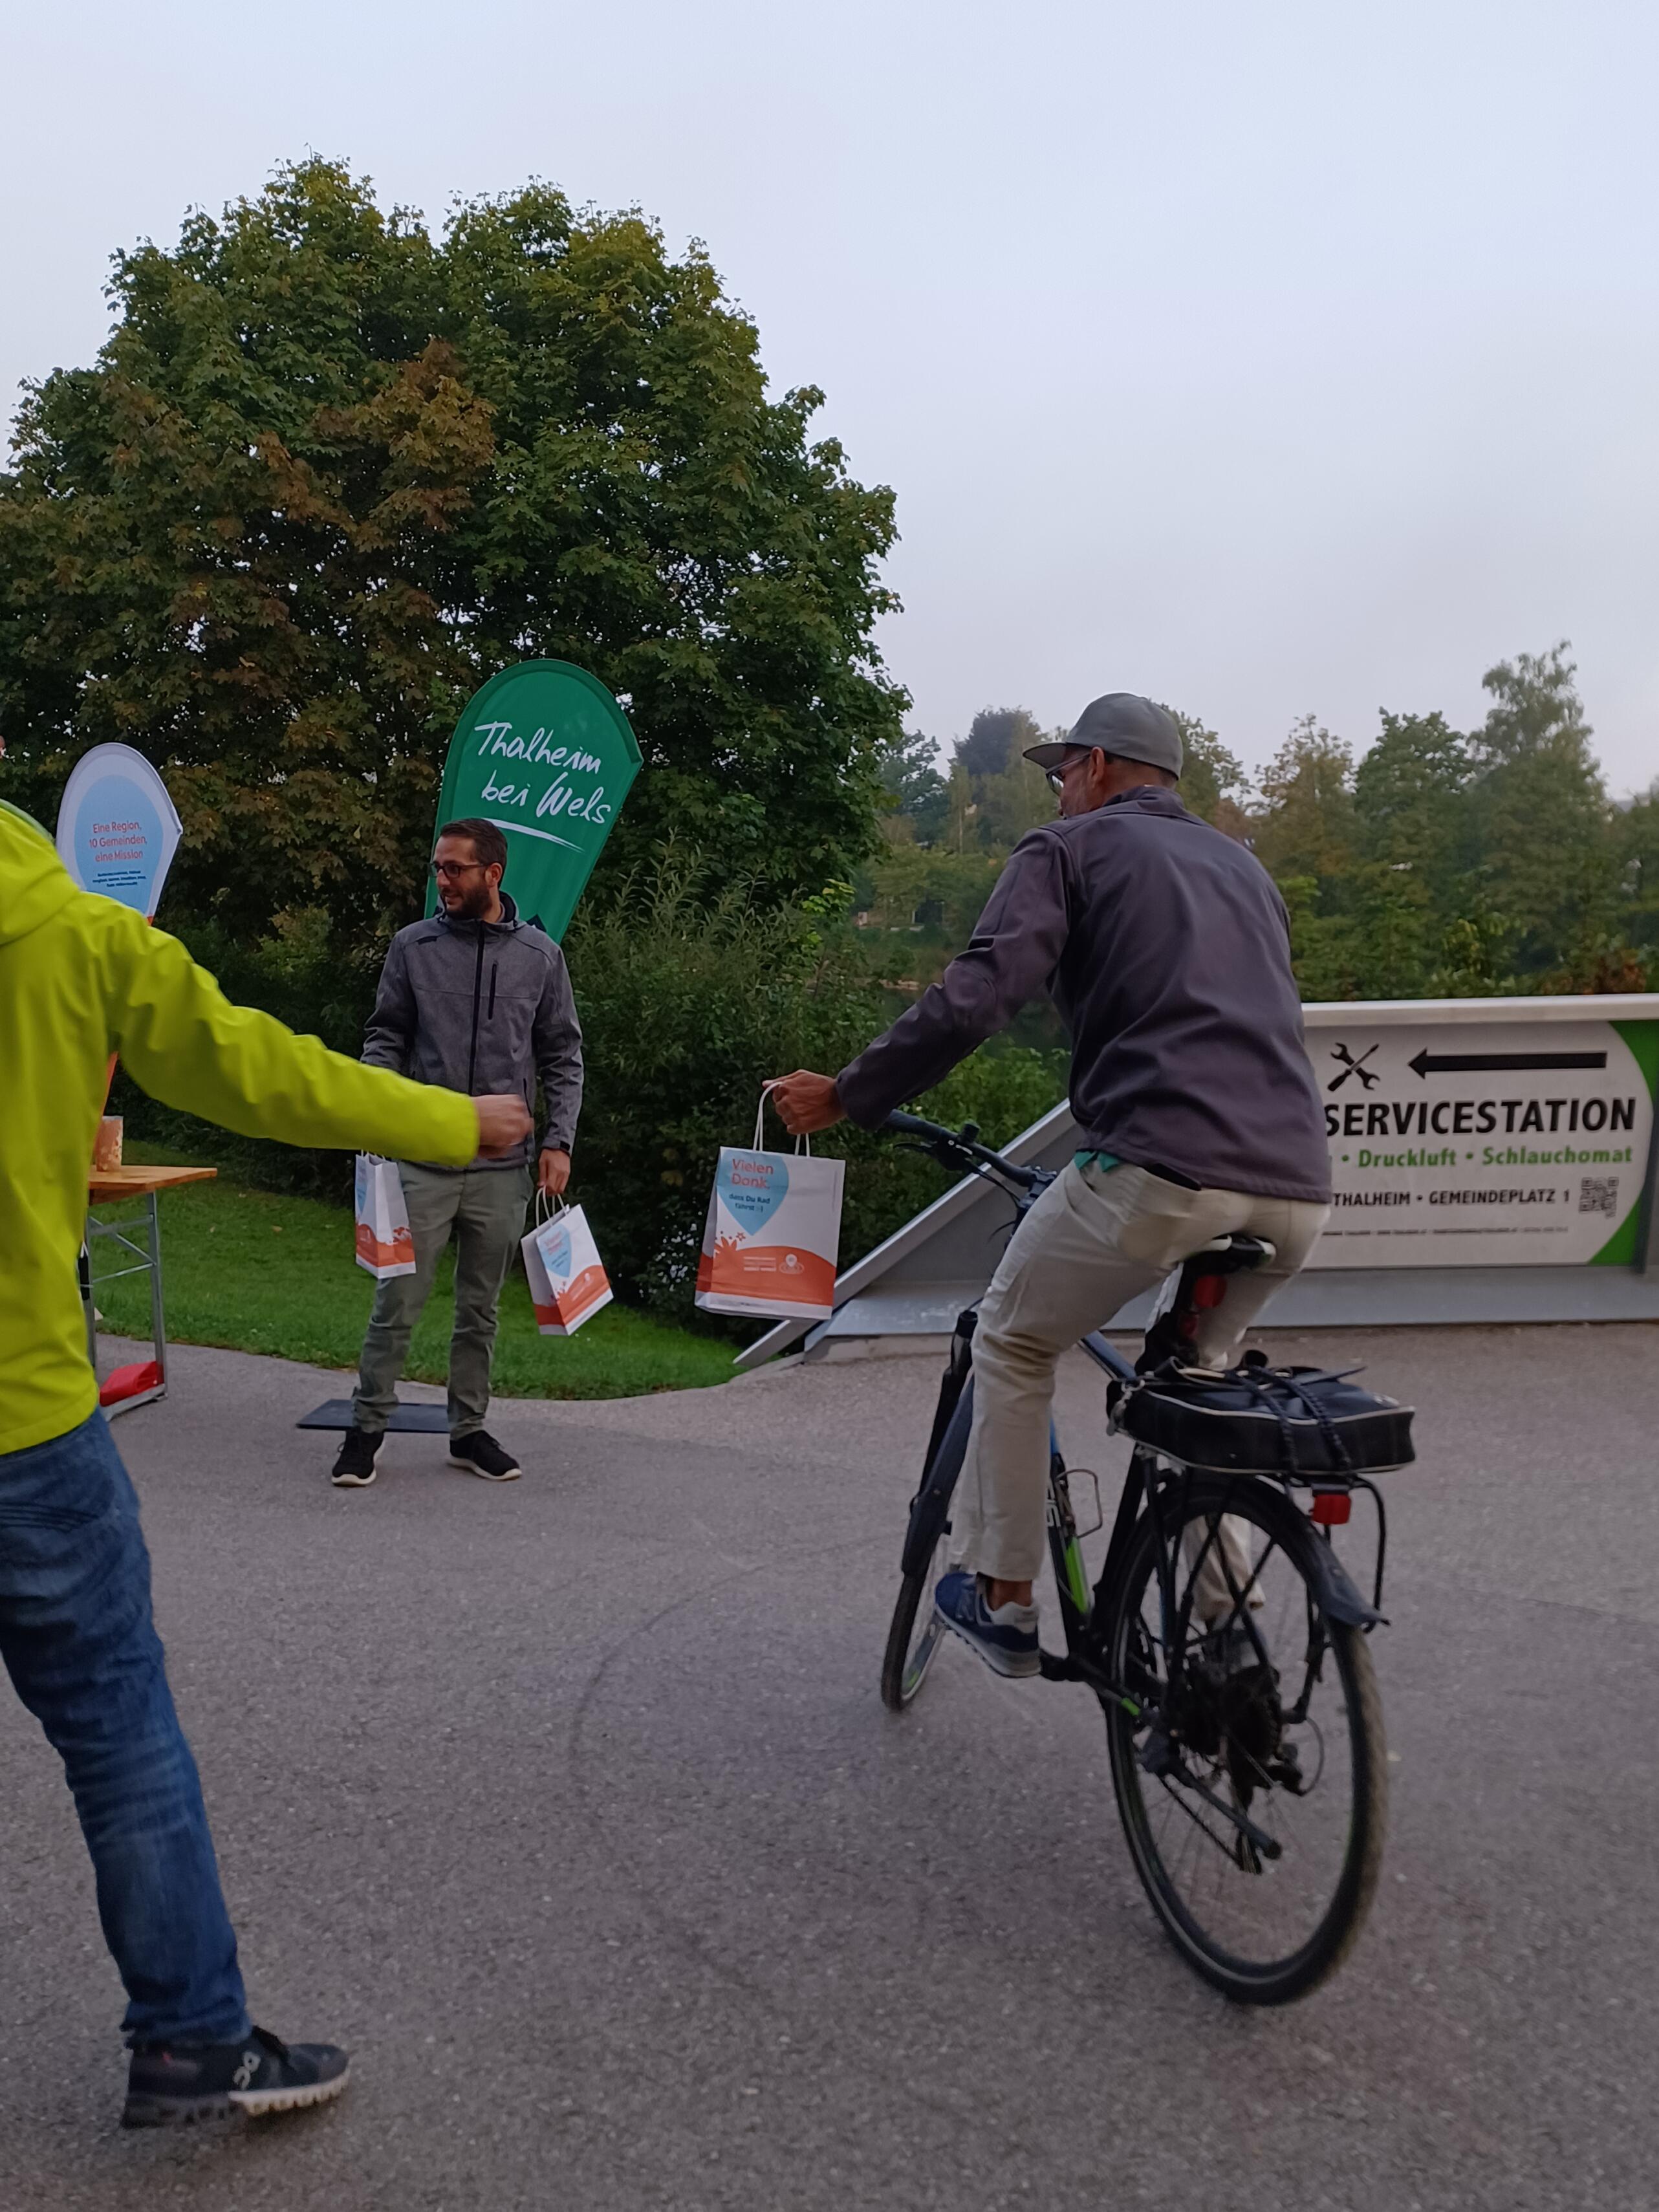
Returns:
<point x="78" y="1642"/>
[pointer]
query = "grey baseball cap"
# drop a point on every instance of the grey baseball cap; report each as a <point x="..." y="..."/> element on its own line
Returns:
<point x="1123" y="724"/>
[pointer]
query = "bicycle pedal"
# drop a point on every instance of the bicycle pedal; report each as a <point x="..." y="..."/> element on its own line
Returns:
<point x="1053" y="1669"/>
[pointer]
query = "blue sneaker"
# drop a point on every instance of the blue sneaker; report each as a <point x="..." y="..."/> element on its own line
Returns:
<point x="1007" y="1640"/>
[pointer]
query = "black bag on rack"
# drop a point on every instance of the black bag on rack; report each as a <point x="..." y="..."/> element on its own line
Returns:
<point x="1305" y="1423"/>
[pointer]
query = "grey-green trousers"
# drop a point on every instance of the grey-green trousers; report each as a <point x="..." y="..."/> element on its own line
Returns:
<point x="485" y="1208"/>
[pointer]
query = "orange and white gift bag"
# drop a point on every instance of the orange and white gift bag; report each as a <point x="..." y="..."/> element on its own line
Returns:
<point x="770" y="1243"/>
<point x="568" y="1284"/>
<point x="384" y="1246"/>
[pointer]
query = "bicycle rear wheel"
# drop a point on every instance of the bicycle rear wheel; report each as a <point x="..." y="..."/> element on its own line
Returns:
<point x="1252" y="1784"/>
<point x="914" y="1636"/>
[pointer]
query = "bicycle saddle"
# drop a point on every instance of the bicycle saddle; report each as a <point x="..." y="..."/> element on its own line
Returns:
<point x="1197" y="1287"/>
<point x="1231" y="1255"/>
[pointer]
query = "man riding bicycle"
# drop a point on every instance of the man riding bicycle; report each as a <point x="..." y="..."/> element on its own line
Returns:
<point x="1166" y="949"/>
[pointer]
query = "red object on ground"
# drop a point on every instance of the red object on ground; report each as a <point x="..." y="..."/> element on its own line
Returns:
<point x="128" y="1381"/>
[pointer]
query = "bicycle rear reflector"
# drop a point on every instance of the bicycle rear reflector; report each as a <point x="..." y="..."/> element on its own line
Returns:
<point x="1330" y="1508"/>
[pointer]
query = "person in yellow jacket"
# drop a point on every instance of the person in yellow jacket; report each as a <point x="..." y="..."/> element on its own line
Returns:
<point x="81" y="978"/>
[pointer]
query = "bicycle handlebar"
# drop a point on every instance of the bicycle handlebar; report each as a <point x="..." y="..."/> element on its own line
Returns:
<point x="957" y="1148"/>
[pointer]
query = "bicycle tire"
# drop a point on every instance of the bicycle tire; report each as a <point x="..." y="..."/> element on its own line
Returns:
<point x="1245" y="1979"/>
<point x="906" y="1658"/>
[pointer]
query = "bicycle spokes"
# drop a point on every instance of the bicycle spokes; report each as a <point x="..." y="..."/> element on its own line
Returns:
<point x="1238" y="1782"/>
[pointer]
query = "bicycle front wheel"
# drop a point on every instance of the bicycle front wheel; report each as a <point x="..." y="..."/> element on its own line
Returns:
<point x="1253" y="1779"/>
<point x="914" y="1636"/>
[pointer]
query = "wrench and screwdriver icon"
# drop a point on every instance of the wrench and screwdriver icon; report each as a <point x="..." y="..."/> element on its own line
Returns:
<point x="1369" y="1077"/>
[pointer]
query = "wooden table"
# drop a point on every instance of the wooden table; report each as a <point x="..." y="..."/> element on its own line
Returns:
<point x="136" y="1384"/>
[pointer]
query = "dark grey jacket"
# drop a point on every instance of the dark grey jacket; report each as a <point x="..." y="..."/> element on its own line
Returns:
<point x="482" y="1006"/>
<point x="1165" y="946"/>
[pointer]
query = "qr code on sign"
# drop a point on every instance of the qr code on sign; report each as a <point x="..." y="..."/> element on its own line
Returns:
<point x="1598" y="1195"/>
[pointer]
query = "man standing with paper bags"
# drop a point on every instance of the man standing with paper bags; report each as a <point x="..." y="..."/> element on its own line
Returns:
<point x="475" y="999"/>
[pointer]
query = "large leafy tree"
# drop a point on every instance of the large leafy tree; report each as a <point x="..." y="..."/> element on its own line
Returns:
<point x="1637" y="840"/>
<point x="996" y="737"/>
<point x="1306" y="825"/>
<point x="330" y="472"/>
<point x="1361" y="921"/>
<point x="1410" y="792"/>
<point x="1213" y="783"/>
<point x="1540" y="813"/>
<point x="918" y="794"/>
<point x="995" y="794"/>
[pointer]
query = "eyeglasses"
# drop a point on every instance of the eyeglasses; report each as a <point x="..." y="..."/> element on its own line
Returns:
<point x="1057" y="775"/>
<point x="440" y="871"/>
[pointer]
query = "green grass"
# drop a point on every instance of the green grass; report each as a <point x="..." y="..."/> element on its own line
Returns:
<point x="256" y="1273"/>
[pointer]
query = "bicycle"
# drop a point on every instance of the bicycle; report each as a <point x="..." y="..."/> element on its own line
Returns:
<point x="1247" y="1752"/>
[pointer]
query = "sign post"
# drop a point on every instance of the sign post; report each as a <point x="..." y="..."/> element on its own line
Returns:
<point x="117" y="829"/>
<point x="1491" y="1143"/>
<point x="545" y="753"/>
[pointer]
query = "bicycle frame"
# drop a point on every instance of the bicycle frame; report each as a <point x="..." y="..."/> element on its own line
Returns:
<point x="1148" y="1482"/>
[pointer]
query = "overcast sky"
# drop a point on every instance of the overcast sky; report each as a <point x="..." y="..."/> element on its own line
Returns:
<point x="1271" y="359"/>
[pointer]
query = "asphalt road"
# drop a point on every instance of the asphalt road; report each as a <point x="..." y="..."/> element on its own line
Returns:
<point x="570" y="1805"/>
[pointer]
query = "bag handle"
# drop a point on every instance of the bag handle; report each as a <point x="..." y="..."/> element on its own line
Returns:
<point x="548" y="1208"/>
<point x="802" y="1143"/>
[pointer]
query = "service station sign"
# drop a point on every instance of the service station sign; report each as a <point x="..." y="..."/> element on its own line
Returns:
<point x="1488" y="1144"/>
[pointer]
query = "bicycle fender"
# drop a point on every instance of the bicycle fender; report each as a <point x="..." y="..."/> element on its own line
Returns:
<point x="1337" y="1591"/>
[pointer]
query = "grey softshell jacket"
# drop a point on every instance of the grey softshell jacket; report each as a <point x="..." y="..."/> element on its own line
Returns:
<point x="1166" y="948"/>
<point x="483" y="1008"/>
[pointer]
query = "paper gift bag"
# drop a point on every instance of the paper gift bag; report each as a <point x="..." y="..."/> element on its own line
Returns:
<point x="384" y="1246"/>
<point x="567" y="1282"/>
<point x="773" y="1234"/>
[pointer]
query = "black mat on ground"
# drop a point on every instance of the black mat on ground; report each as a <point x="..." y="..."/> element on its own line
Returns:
<point x="336" y="1414"/>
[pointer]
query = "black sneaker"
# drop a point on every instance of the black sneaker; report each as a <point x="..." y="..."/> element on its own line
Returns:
<point x="355" y="1467"/>
<point x="176" y="2084"/>
<point x="480" y="1454"/>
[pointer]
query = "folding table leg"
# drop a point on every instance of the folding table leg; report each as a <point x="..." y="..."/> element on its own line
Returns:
<point x="142" y="1382"/>
<point x="157" y="1318"/>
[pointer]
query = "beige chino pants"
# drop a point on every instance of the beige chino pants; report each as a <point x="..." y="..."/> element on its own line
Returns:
<point x="1094" y="1238"/>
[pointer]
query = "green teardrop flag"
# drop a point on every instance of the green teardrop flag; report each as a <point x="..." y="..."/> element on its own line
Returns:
<point x="545" y="753"/>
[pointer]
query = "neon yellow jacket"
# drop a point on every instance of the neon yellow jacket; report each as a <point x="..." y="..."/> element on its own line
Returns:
<point x="80" y="978"/>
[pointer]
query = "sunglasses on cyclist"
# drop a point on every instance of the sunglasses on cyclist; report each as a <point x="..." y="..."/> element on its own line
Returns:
<point x="1057" y="775"/>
